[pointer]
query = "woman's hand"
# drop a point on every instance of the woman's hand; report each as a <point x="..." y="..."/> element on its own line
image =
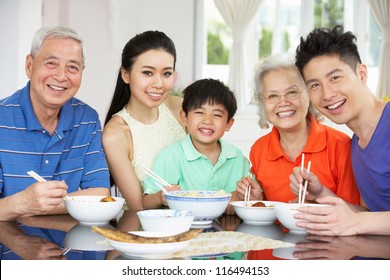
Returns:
<point x="314" y="187"/>
<point x="243" y="185"/>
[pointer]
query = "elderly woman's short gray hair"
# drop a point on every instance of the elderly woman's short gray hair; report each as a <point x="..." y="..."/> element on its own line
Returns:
<point x="55" y="32"/>
<point x="271" y="63"/>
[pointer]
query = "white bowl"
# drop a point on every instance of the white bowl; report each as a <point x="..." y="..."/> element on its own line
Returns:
<point x="88" y="210"/>
<point x="207" y="205"/>
<point x="255" y="215"/>
<point x="81" y="237"/>
<point x="285" y="214"/>
<point x="166" y="220"/>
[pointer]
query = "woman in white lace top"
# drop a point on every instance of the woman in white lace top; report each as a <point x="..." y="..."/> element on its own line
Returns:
<point x="143" y="117"/>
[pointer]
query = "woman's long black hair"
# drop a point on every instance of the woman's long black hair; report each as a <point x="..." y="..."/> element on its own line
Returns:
<point x="148" y="40"/>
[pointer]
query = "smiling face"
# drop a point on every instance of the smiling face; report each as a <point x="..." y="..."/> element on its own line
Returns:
<point x="334" y="87"/>
<point x="207" y="124"/>
<point x="55" y="73"/>
<point x="151" y="78"/>
<point x="284" y="114"/>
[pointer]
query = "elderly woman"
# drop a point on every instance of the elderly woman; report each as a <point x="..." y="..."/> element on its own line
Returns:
<point x="283" y="102"/>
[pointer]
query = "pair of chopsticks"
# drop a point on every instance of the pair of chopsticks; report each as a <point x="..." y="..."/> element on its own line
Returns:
<point x="247" y="195"/>
<point x="41" y="179"/>
<point x="157" y="178"/>
<point x="36" y="176"/>
<point x="65" y="251"/>
<point x="301" y="196"/>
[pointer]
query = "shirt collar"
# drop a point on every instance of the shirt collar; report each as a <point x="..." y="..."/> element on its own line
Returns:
<point x="227" y="151"/>
<point x="66" y="113"/>
<point x="315" y="143"/>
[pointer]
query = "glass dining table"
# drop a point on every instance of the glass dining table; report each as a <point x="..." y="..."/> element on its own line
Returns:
<point x="62" y="237"/>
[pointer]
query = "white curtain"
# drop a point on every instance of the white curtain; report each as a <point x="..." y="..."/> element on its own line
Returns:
<point x="238" y="14"/>
<point x="381" y="11"/>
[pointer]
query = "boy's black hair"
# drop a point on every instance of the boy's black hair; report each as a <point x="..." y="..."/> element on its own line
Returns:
<point x="209" y="91"/>
<point x="325" y="41"/>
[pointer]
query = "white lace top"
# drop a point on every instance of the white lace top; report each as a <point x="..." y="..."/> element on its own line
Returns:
<point x="150" y="139"/>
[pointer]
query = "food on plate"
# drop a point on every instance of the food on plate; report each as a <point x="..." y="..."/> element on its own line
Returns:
<point x="122" y="236"/>
<point x="107" y="199"/>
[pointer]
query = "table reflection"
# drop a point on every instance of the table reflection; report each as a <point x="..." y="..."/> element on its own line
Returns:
<point x="47" y="237"/>
<point x="41" y="238"/>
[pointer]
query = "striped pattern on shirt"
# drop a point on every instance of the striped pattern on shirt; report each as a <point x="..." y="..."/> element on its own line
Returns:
<point x="74" y="152"/>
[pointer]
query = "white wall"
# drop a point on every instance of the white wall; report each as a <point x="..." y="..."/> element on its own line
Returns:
<point x="18" y="22"/>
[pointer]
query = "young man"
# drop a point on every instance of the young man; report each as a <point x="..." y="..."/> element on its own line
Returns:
<point x="202" y="160"/>
<point x="337" y="83"/>
<point x="45" y="129"/>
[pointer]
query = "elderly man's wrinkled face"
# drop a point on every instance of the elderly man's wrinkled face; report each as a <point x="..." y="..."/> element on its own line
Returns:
<point x="55" y="73"/>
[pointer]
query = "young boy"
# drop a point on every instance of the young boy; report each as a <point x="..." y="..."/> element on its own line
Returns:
<point x="201" y="160"/>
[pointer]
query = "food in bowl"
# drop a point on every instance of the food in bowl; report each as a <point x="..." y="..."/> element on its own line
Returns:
<point x="166" y="220"/>
<point x="260" y="204"/>
<point x="285" y="214"/>
<point x="107" y="199"/>
<point x="88" y="210"/>
<point x="207" y="205"/>
<point x="202" y="193"/>
<point x="255" y="215"/>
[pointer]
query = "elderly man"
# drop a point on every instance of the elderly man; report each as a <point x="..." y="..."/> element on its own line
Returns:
<point x="45" y="129"/>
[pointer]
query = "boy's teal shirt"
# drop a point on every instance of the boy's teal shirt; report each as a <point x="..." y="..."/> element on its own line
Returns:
<point x="181" y="164"/>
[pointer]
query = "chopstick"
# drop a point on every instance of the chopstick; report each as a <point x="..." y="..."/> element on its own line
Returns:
<point x="39" y="178"/>
<point x="65" y="251"/>
<point x="157" y="178"/>
<point x="247" y="195"/>
<point x="36" y="176"/>
<point x="300" y="184"/>
<point x="158" y="184"/>
<point x="306" y="182"/>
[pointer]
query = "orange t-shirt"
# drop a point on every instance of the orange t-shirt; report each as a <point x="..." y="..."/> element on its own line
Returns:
<point x="329" y="151"/>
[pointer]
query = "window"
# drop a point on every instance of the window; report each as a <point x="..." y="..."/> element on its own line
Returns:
<point x="219" y="41"/>
<point x="328" y="13"/>
<point x="278" y="28"/>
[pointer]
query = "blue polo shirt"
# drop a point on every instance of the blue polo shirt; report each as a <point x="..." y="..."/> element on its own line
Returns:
<point x="180" y="163"/>
<point x="74" y="153"/>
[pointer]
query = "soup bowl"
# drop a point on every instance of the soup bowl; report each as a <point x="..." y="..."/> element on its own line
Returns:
<point x="89" y="210"/>
<point x="206" y="205"/>
<point x="285" y="214"/>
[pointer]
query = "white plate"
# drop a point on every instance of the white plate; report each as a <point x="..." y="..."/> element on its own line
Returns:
<point x="149" y="250"/>
<point x="202" y="222"/>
